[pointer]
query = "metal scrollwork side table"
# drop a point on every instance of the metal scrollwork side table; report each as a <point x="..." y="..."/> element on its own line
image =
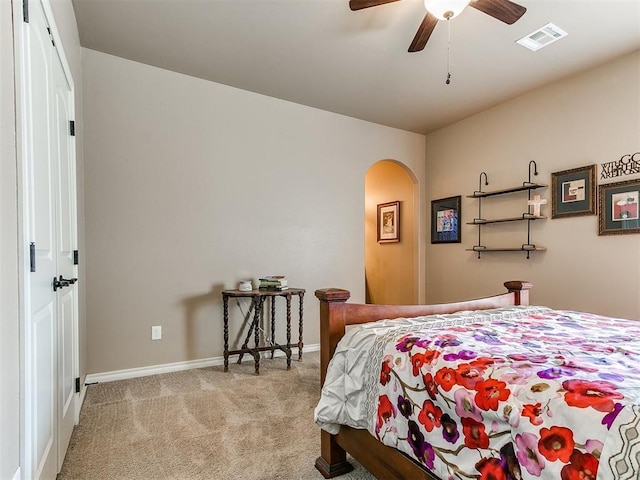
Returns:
<point x="258" y="299"/>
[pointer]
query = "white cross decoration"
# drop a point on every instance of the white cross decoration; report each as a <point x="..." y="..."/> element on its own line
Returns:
<point x="537" y="202"/>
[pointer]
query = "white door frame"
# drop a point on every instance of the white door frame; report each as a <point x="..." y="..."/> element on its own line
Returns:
<point x="24" y="217"/>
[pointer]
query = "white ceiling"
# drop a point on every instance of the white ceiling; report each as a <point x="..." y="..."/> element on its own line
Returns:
<point x="320" y="53"/>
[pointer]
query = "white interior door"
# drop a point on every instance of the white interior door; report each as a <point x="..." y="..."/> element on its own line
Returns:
<point x="66" y="269"/>
<point x="50" y="343"/>
<point x="40" y="416"/>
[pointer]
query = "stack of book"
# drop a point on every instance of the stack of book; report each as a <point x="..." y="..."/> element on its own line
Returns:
<point x="274" y="282"/>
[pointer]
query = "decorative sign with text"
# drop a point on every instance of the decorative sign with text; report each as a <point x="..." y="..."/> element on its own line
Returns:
<point x="627" y="165"/>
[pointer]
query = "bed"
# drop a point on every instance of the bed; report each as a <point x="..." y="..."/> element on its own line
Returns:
<point x="491" y="388"/>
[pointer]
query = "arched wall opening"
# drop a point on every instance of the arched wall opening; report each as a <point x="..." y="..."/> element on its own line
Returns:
<point x="391" y="269"/>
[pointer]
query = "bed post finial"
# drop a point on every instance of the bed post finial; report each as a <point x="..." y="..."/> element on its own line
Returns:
<point x="520" y="290"/>
<point x="333" y="294"/>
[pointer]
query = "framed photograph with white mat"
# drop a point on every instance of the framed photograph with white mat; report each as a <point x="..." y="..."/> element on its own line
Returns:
<point x="389" y="222"/>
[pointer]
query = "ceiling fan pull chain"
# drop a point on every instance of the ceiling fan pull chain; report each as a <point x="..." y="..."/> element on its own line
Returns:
<point x="448" y="81"/>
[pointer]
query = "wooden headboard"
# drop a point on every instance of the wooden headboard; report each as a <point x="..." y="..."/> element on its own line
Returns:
<point x="336" y="313"/>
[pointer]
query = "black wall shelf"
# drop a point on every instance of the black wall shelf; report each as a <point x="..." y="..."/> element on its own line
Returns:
<point x="527" y="217"/>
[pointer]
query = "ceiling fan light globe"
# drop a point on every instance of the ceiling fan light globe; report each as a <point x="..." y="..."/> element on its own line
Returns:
<point x="445" y="9"/>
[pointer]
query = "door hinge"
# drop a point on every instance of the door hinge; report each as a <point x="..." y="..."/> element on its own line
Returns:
<point x="51" y="37"/>
<point x="77" y="384"/>
<point x="25" y="11"/>
<point x="32" y="257"/>
<point x="75" y="257"/>
<point x="72" y="128"/>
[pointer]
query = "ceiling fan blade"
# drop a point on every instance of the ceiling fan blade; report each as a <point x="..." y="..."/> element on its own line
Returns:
<point x="504" y="10"/>
<point x="424" y="32"/>
<point x="360" y="4"/>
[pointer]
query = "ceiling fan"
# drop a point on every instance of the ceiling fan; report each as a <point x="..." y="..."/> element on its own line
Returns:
<point x="504" y="10"/>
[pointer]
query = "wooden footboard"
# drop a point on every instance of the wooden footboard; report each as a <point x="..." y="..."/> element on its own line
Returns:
<point x="335" y="315"/>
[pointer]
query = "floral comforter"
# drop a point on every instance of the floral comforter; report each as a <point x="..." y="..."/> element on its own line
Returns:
<point x="512" y="393"/>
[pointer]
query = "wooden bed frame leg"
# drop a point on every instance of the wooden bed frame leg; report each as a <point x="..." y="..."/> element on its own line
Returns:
<point x="333" y="459"/>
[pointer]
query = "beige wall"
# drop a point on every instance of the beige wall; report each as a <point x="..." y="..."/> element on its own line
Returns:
<point x="9" y="308"/>
<point x="590" y="118"/>
<point x="391" y="268"/>
<point x="191" y="186"/>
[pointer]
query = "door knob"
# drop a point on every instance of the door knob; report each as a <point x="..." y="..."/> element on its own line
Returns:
<point x="59" y="283"/>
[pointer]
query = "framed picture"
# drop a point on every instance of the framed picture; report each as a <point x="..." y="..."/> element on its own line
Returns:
<point x="389" y="222"/>
<point x="445" y="220"/>
<point x="619" y="213"/>
<point x="573" y="192"/>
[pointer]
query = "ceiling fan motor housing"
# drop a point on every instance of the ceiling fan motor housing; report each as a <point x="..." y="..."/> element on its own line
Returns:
<point x="445" y="9"/>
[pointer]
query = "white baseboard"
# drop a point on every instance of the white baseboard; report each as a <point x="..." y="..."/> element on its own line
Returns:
<point x="173" y="367"/>
<point x="16" y="476"/>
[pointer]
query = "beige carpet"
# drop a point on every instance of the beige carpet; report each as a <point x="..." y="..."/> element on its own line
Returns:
<point x="203" y="424"/>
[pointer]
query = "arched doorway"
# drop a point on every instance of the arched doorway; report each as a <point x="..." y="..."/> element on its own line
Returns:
<point x="391" y="268"/>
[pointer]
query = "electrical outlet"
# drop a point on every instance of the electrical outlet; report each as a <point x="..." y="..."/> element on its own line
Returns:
<point x="156" y="332"/>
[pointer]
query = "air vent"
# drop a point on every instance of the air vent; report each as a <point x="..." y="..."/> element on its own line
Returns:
<point x="542" y="37"/>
